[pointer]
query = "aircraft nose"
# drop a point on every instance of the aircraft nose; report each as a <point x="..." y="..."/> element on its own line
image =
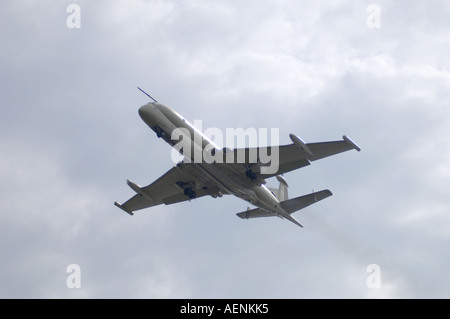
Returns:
<point x="146" y="112"/>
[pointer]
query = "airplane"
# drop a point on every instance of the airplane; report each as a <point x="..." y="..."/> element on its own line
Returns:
<point x="243" y="177"/>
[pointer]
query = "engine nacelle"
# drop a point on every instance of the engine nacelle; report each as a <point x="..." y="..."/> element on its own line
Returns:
<point x="301" y="144"/>
<point x="138" y="189"/>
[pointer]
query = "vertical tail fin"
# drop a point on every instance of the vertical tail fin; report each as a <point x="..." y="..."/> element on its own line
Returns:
<point x="282" y="189"/>
<point x="282" y="192"/>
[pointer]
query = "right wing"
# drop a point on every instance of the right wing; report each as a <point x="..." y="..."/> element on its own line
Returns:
<point x="170" y="189"/>
<point x="291" y="157"/>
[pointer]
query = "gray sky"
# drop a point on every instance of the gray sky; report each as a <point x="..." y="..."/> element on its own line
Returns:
<point x="70" y="136"/>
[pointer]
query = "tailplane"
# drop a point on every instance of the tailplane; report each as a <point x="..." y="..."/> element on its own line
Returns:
<point x="290" y="206"/>
<point x="295" y="204"/>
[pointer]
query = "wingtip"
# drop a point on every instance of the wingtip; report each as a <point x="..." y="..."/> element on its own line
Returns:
<point x="123" y="208"/>
<point x="351" y="143"/>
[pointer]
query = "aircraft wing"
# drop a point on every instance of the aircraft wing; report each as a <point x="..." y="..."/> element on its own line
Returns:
<point x="294" y="156"/>
<point x="169" y="189"/>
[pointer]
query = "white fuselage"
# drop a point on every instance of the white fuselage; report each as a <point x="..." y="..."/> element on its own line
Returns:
<point x="164" y="120"/>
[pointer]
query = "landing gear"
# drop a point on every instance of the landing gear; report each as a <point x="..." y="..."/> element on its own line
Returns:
<point x="189" y="192"/>
<point x="188" y="189"/>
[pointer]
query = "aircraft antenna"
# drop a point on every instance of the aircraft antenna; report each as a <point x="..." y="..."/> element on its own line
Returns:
<point x="147" y="94"/>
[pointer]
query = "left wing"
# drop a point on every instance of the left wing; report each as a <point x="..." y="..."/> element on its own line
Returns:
<point x="177" y="185"/>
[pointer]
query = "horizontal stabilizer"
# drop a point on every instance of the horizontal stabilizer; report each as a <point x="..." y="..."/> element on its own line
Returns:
<point x="258" y="212"/>
<point x="295" y="204"/>
<point x="255" y="213"/>
<point x="289" y="206"/>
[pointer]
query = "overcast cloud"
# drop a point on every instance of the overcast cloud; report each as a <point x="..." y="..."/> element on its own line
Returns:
<point x="70" y="136"/>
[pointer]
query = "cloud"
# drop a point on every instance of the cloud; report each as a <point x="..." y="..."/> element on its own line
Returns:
<point x="71" y="135"/>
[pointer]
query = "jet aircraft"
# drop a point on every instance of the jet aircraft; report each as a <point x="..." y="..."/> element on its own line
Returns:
<point x="238" y="172"/>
